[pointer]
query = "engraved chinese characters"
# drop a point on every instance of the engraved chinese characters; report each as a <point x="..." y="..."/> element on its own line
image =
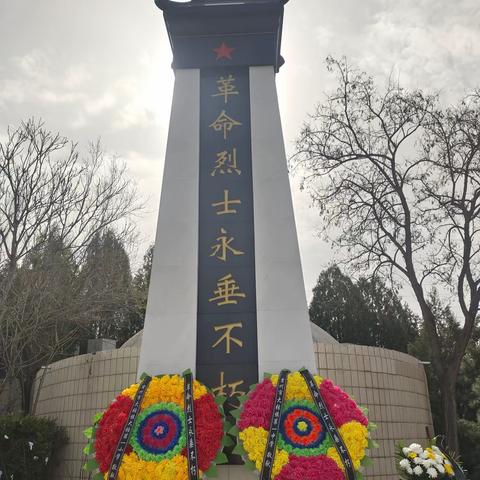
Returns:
<point x="227" y="358"/>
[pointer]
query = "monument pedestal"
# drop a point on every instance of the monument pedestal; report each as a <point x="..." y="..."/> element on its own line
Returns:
<point x="235" y="472"/>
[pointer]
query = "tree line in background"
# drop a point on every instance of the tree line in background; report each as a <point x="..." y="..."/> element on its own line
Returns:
<point x="368" y="312"/>
<point x="64" y="271"/>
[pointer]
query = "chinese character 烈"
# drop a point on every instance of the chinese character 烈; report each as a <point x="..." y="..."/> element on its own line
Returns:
<point x="226" y="162"/>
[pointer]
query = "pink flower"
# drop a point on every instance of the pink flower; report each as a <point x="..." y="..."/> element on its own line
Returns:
<point x="310" y="468"/>
<point x="342" y="408"/>
<point x="257" y="410"/>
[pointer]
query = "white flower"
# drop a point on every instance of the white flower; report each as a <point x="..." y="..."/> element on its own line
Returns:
<point x="440" y="468"/>
<point x="432" y="473"/>
<point x="1" y="473"/>
<point x="406" y="451"/>
<point x="30" y="444"/>
<point x="6" y="437"/>
<point x="404" y="463"/>
<point x="438" y="458"/>
<point x="436" y="449"/>
<point x="416" y="448"/>
<point x="35" y="457"/>
<point x="417" y="461"/>
<point x="410" y="470"/>
<point x="46" y="460"/>
<point x="418" y="470"/>
<point x="428" y="463"/>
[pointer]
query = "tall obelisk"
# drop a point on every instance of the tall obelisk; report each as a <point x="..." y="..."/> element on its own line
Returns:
<point x="227" y="294"/>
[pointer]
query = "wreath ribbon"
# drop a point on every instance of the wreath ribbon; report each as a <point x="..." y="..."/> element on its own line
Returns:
<point x="190" y="427"/>
<point x="127" y="430"/>
<point x="269" y="456"/>
<point x="457" y="470"/>
<point x="330" y="424"/>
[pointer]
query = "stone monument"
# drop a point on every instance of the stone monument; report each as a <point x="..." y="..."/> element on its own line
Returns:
<point x="227" y="291"/>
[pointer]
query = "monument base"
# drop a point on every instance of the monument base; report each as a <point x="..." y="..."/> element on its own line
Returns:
<point x="235" y="472"/>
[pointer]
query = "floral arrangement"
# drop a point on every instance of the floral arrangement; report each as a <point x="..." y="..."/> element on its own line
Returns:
<point x="305" y="449"/>
<point x="421" y="463"/>
<point x="157" y="445"/>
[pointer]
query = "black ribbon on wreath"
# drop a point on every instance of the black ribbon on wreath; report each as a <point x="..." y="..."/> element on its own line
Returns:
<point x="269" y="456"/>
<point x="127" y="429"/>
<point x="330" y="424"/>
<point x="457" y="469"/>
<point x="190" y="426"/>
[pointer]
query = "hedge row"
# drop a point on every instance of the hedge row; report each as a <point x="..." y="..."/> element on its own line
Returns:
<point x="28" y="446"/>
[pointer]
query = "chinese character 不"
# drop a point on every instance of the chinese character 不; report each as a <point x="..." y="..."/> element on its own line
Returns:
<point x="224" y="123"/>
<point x="226" y="87"/>
<point x="226" y="162"/>
<point x="226" y="204"/>
<point x="227" y="291"/>
<point x="220" y="249"/>
<point x="227" y="336"/>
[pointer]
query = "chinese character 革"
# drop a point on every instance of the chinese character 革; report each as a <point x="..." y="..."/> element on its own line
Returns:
<point x="226" y="87"/>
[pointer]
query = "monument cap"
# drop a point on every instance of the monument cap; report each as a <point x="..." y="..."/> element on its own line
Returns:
<point x="253" y="28"/>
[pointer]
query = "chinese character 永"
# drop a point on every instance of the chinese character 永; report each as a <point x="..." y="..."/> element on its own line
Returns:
<point x="220" y="249"/>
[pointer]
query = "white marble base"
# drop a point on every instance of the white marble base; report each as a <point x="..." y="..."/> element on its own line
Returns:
<point x="235" y="472"/>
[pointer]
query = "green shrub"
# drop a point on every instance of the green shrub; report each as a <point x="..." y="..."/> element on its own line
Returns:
<point x="28" y="446"/>
<point x="469" y="438"/>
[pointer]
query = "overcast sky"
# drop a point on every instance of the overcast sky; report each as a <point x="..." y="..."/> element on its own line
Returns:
<point x="101" y="68"/>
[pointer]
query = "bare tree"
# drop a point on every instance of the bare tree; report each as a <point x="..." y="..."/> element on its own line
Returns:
<point x="398" y="178"/>
<point x="45" y="185"/>
<point x="50" y="195"/>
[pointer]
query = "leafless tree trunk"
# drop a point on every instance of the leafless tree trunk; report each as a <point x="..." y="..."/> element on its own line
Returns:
<point x="50" y="195"/>
<point x="399" y="178"/>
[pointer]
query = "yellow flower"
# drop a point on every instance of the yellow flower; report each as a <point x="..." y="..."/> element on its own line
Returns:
<point x="449" y="469"/>
<point x="168" y="388"/>
<point x="412" y="455"/>
<point x="133" y="468"/>
<point x="296" y="387"/>
<point x="355" y="437"/>
<point x="254" y="441"/>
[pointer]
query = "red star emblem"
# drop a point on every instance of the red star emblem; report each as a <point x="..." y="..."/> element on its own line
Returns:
<point x="224" y="51"/>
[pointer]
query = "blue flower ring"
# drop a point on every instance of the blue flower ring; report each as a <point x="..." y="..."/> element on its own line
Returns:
<point x="159" y="432"/>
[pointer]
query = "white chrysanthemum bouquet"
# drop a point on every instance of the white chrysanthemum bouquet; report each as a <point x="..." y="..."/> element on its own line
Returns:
<point x="416" y="462"/>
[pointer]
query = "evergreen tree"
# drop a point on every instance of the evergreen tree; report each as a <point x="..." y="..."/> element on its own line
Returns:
<point x="107" y="284"/>
<point x="138" y="306"/>
<point x="467" y="391"/>
<point x="366" y="312"/>
<point x="40" y="313"/>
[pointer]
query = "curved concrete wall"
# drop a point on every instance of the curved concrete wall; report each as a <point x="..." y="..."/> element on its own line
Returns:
<point x="391" y="384"/>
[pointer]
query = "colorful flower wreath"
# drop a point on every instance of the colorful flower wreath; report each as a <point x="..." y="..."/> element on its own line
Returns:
<point x="157" y="444"/>
<point x="305" y="449"/>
